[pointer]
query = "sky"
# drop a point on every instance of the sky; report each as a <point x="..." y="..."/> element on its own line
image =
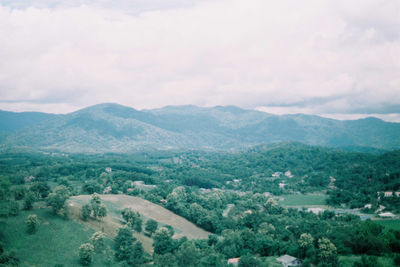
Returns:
<point x="337" y="59"/>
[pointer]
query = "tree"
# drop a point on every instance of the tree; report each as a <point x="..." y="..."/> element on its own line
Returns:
<point x="86" y="211"/>
<point x="29" y="200"/>
<point x="41" y="189"/>
<point x="248" y="260"/>
<point x="306" y="240"/>
<point x="272" y="207"/>
<point x="19" y="192"/>
<point x="95" y="204"/>
<point x="327" y="252"/>
<point x="123" y="244"/>
<point x="86" y="253"/>
<point x="176" y="200"/>
<point x="32" y="222"/>
<point x="14" y="208"/>
<point x="102" y="212"/>
<point x="165" y="260"/>
<point x="396" y="259"/>
<point x="56" y="200"/>
<point x="188" y="254"/>
<point x="132" y="219"/>
<point x="151" y="226"/>
<point x="4" y="196"/>
<point x="212" y="260"/>
<point x="306" y="243"/>
<point x="137" y="255"/>
<point x="98" y="241"/>
<point x="163" y="242"/>
<point x="138" y="224"/>
<point x="212" y="240"/>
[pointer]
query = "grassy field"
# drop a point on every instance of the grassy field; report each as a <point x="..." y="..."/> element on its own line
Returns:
<point x="390" y="224"/>
<point x="113" y="221"/>
<point x="56" y="241"/>
<point x="303" y="200"/>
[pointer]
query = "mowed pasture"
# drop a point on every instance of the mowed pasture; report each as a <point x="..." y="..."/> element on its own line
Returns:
<point x="303" y="200"/>
<point x="113" y="221"/>
<point x="56" y="240"/>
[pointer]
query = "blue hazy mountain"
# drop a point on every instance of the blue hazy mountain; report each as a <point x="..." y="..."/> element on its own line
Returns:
<point x="117" y="128"/>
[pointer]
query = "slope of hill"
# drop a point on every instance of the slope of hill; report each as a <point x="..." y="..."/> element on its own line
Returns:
<point x="116" y="128"/>
<point x="149" y="210"/>
<point x="13" y="121"/>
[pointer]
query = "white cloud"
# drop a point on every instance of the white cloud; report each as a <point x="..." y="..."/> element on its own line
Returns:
<point x="321" y="57"/>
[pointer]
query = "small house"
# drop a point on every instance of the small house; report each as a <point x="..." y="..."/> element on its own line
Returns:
<point x="368" y="206"/>
<point x="316" y="210"/>
<point x="282" y="185"/>
<point x="276" y="174"/>
<point x="29" y="178"/>
<point x="387" y="215"/>
<point x="289" y="174"/>
<point x="234" y="261"/>
<point x="267" y="194"/>
<point x="107" y="190"/>
<point x="287" y="260"/>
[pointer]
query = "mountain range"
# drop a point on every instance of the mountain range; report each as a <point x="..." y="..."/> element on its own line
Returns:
<point x="115" y="128"/>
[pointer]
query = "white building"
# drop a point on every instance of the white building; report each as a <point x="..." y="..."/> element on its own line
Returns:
<point x="287" y="260"/>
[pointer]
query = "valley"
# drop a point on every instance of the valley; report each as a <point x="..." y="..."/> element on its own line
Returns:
<point x="267" y="195"/>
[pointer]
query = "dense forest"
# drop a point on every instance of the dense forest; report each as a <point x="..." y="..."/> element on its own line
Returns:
<point x="233" y="195"/>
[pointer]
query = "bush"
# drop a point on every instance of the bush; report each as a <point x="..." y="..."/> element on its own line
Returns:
<point x="86" y="253"/>
<point x="32" y="222"/>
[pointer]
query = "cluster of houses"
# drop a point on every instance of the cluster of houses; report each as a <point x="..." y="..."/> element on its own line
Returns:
<point x="285" y="260"/>
<point x="288" y="174"/>
<point x="388" y="194"/>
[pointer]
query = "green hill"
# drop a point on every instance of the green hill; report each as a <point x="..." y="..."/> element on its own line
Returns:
<point x="116" y="128"/>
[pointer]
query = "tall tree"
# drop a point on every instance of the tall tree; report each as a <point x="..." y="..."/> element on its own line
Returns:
<point x="123" y="244"/>
<point x="151" y="226"/>
<point x="56" y="200"/>
<point x="163" y="242"/>
<point x="32" y="222"/>
<point x="327" y="252"/>
<point x="98" y="240"/>
<point x="29" y="200"/>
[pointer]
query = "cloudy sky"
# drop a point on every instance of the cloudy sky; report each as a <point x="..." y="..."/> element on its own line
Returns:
<point x="338" y="59"/>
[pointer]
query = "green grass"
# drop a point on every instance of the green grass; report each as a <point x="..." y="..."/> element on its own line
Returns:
<point x="303" y="200"/>
<point x="55" y="242"/>
<point x="390" y="224"/>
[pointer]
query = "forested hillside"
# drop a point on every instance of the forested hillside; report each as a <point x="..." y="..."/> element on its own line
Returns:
<point x="120" y="129"/>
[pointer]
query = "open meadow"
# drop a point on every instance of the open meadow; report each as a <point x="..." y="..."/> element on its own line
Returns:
<point x="56" y="241"/>
<point x="303" y="200"/>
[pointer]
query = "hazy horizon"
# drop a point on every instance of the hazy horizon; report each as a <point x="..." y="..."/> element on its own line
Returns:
<point x="329" y="116"/>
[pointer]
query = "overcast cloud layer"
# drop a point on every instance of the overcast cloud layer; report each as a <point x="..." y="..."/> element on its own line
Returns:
<point x="332" y="58"/>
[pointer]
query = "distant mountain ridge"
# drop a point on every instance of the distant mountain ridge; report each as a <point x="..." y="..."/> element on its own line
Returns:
<point x="115" y="128"/>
